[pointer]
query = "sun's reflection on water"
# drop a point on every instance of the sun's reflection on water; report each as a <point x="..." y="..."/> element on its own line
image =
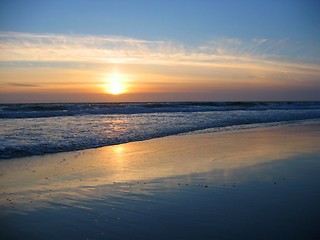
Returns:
<point x="67" y="178"/>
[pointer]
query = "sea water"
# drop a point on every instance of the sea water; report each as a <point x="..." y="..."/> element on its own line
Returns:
<point x="35" y="129"/>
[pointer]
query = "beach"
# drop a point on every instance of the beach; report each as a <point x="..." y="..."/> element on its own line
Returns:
<point x="159" y="120"/>
<point x="259" y="183"/>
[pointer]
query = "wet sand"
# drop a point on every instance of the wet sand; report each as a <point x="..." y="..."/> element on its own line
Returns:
<point x="260" y="183"/>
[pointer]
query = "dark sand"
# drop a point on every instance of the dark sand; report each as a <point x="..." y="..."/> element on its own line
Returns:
<point x="261" y="183"/>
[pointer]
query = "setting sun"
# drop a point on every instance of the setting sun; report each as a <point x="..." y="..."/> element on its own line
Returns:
<point x="115" y="85"/>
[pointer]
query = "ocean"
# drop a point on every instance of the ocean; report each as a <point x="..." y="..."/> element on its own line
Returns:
<point x="36" y="129"/>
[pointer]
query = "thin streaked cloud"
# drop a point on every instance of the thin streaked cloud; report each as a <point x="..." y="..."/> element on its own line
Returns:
<point x="261" y="54"/>
<point x="21" y="84"/>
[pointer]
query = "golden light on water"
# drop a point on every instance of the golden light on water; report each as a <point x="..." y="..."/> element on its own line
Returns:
<point x="115" y="84"/>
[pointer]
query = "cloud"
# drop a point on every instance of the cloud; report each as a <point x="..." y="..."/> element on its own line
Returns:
<point x="48" y="47"/>
<point x="258" y="54"/>
<point x="22" y="85"/>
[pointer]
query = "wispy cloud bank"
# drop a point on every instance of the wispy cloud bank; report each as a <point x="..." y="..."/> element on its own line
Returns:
<point x="228" y="53"/>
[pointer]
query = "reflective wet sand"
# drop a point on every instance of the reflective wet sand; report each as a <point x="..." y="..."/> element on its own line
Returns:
<point x="256" y="183"/>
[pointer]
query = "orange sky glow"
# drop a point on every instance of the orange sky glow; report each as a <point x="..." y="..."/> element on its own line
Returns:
<point x="53" y="68"/>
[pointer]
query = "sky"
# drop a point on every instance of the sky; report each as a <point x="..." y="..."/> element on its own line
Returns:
<point x="168" y="50"/>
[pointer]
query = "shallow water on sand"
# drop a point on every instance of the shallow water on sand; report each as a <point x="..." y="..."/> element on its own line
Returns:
<point x="254" y="184"/>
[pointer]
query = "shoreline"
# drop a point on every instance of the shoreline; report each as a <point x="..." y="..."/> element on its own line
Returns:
<point x="192" y="132"/>
<point x="159" y="157"/>
<point x="242" y="168"/>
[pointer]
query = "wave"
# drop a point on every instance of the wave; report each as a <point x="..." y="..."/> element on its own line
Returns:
<point x="75" y="109"/>
<point x="37" y="136"/>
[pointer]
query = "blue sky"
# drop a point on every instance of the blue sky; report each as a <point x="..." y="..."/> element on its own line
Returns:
<point x="243" y="49"/>
<point x="167" y="19"/>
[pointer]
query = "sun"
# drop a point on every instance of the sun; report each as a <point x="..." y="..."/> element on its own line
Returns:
<point x="115" y="85"/>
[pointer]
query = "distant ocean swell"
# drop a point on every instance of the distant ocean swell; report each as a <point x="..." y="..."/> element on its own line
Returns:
<point x="35" y="129"/>
<point x="75" y="109"/>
